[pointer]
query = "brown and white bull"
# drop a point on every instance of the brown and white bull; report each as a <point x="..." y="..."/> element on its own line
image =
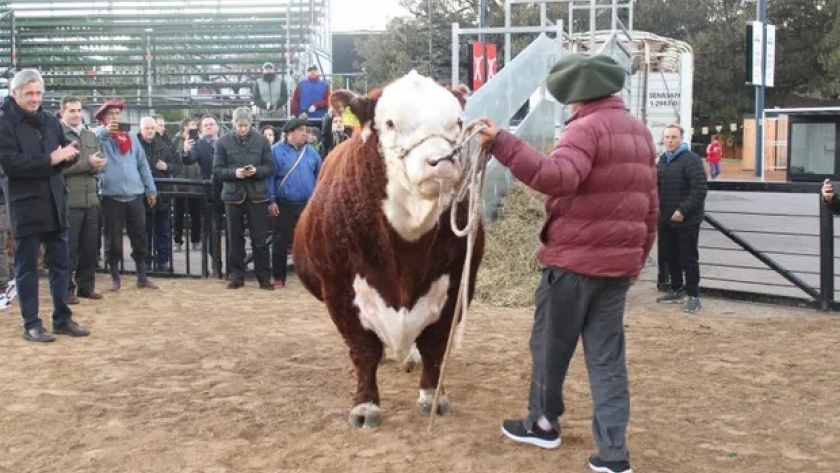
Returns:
<point x="375" y="242"/>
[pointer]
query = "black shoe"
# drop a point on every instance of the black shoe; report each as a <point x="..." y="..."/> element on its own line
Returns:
<point x="235" y="284"/>
<point x="267" y="285"/>
<point x="514" y="429"/>
<point x="663" y="286"/>
<point x="603" y="466"/>
<point x="72" y="329"/>
<point x="672" y="297"/>
<point x="38" y="335"/>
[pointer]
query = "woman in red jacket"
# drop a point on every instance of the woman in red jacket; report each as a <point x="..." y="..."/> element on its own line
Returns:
<point x="601" y="216"/>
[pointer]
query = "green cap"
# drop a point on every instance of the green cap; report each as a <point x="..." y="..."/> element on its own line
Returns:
<point x="583" y="77"/>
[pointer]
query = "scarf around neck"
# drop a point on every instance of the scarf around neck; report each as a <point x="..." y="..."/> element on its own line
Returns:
<point x="123" y="141"/>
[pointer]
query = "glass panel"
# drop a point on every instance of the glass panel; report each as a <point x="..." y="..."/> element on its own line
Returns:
<point x="503" y="96"/>
<point x="505" y="93"/>
<point x="537" y="129"/>
<point x="813" y="148"/>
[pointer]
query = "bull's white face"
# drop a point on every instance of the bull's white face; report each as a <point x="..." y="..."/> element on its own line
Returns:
<point x="418" y="123"/>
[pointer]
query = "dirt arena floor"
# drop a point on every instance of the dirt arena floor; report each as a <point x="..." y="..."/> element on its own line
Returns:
<point x="196" y="378"/>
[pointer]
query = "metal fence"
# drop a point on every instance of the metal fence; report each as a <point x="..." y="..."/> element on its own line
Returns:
<point x="769" y="242"/>
<point x="191" y="261"/>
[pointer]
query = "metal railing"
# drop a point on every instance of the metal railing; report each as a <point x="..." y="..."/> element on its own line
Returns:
<point x="189" y="262"/>
<point x="772" y="256"/>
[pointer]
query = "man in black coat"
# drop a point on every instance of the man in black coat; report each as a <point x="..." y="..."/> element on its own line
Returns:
<point x="33" y="155"/>
<point x="202" y="154"/>
<point x="682" y="198"/>
<point x="164" y="163"/>
<point x="243" y="163"/>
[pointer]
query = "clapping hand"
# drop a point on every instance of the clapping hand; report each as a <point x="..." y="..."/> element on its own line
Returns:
<point x="61" y="155"/>
<point x="97" y="162"/>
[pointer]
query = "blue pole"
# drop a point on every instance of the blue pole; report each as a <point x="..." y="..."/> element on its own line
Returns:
<point x="761" y="13"/>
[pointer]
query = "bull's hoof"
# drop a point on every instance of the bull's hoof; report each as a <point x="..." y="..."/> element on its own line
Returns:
<point x="365" y="415"/>
<point x="427" y="397"/>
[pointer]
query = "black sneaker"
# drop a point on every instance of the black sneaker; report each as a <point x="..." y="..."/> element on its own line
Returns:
<point x="672" y="297"/>
<point x="692" y="305"/>
<point x="514" y="429"/>
<point x="603" y="466"/>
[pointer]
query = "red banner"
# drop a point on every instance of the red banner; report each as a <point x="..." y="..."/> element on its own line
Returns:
<point x="483" y="64"/>
<point x="477" y="66"/>
<point x="491" y="61"/>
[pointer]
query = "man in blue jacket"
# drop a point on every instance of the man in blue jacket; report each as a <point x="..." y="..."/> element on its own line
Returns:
<point x="123" y="184"/>
<point x="296" y="168"/>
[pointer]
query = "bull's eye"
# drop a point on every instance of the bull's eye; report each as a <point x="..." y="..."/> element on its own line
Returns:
<point x="460" y="123"/>
<point x="389" y="124"/>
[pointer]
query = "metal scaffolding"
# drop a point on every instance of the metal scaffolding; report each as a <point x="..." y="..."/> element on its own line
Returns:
<point x="163" y="53"/>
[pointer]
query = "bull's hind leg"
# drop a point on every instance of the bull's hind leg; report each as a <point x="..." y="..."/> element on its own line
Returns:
<point x="365" y="352"/>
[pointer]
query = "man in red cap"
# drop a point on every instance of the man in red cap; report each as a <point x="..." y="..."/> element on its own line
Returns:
<point x="122" y="185"/>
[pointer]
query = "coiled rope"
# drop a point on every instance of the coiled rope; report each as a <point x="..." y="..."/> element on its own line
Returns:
<point x="474" y="165"/>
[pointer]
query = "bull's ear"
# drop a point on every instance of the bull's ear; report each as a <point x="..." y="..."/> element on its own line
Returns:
<point x="363" y="107"/>
<point x="460" y="91"/>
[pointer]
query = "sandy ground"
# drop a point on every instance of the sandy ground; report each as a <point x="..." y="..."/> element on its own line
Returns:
<point x="196" y="378"/>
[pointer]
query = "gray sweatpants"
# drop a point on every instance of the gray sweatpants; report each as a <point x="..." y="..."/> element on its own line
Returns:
<point x="568" y="306"/>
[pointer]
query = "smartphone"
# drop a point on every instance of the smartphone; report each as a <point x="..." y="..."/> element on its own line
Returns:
<point x="123" y="127"/>
<point x="193" y="134"/>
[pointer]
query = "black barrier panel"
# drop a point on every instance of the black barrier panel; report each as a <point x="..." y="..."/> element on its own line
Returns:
<point x="190" y="256"/>
<point x="196" y="257"/>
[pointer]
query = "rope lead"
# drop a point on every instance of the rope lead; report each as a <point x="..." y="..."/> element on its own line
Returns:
<point x="474" y="165"/>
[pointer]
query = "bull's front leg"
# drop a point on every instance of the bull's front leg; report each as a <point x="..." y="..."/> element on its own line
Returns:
<point x="365" y="351"/>
<point x="432" y="346"/>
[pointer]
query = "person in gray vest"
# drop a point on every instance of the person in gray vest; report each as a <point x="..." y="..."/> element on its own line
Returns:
<point x="270" y="93"/>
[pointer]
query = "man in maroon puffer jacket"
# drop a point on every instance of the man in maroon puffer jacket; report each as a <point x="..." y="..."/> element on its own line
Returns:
<point x="602" y="210"/>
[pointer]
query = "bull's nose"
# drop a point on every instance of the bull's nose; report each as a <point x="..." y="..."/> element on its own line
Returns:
<point x="433" y="162"/>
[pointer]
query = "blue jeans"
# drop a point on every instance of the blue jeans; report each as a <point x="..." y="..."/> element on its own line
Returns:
<point x="714" y="170"/>
<point x="157" y="234"/>
<point x="57" y="260"/>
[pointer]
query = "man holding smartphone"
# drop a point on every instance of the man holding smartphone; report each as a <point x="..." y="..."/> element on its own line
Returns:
<point x="126" y="180"/>
<point x="243" y="163"/>
<point x="84" y="203"/>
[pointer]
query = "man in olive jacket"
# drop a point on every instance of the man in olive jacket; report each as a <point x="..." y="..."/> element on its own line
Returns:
<point x="33" y="155"/>
<point x="84" y="202"/>
<point x="243" y="163"/>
